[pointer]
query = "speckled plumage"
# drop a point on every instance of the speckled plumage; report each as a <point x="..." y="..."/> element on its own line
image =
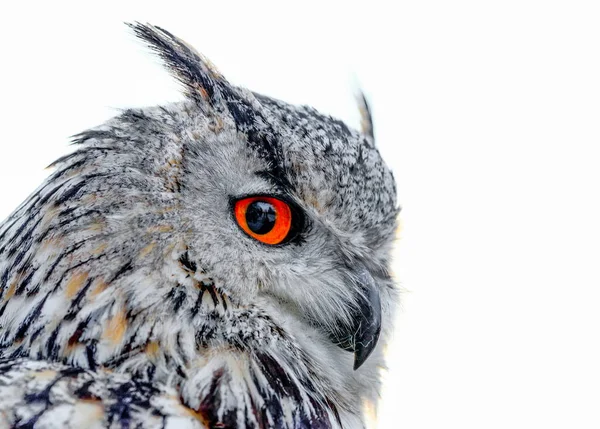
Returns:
<point x="130" y="298"/>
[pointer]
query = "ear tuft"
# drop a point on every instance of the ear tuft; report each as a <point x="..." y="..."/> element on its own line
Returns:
<point x="201" y="80"/>
<point x="366" y="120"/>
<point x="210" y="90"/>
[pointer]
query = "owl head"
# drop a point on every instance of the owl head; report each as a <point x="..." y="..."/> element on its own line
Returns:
<point x="224" y="230"/>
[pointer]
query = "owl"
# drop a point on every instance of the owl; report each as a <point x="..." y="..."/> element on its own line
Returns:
<point x="219" y="262"/>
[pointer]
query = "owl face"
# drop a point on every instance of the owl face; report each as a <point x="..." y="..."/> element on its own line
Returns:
<point x="230" y="223"/>
<point x="337" y="200"/>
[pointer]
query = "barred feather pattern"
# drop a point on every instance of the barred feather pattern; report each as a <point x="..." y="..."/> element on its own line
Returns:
<point x="54" y="395"/>
<point x="62" y="247"/>
<point x="128" y="297"/>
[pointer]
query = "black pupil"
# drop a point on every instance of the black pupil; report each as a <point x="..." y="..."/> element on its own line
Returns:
<point x="260" y="217"/>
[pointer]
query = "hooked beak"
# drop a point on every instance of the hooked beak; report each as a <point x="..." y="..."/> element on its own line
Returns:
<point x="361" y="337"/>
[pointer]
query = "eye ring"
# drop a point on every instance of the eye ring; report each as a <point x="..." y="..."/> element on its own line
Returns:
<point x="266" y="219"/>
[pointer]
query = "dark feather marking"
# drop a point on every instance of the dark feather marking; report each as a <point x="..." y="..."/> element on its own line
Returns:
<point x="43" y="200"/>
<point x="70" y="193"/>
<point x="72" y="268"/>
<point x="23" y="286"/>
<point x="132" y="336"/>
<point x="84" y="392"/>
<point x="7" y="228"/>
<point x="68" y="211"/>
<point x="261" y="137"/>
<point x="63" y="159"/>
<point x="271" y="408"/>
<point x="203" y="336"/>
<point x="278" y="378"/>
<point x="128" y="266"/>
<point x="29" y="319"/>
<point x="74" y="339"/>
<point x="284" y="385"/>
<point x="91" y="134"/>
<point x="18" y="259"/>
<point x="7" y="365"/>
<point x="335" y="411"/>
<point x="75" y="266"/>
<point x="177" y="296"/>
<point x="30" y="217"/>
<point x="3" y="308"/>
<point x="84" y="152"/>
<point x="128" y="349"/>
<point x="18" y="352"/>
<point x="74" y="189"/>
<point x="90" y="354"/>
<point x="65" y="221"/>
<point x="45" y="393"/>
<point x="189" y="265"/>
<point x="131" y="395"/>
<point x="253" y="411"/>
<point x="150" y="372"/>
<point x="19" y="233"/>
<point x="52" y="348"/>
<point x="44" y="396"/>
<point x="24" y="243"/>
<point x="196" y="308"/>
<point x="211" y="402"/>
<point x="72" y="166"/>
<point x="60" y="258"/>
<point x="180" y="372"/>
<point x="123" y="357"/>
<point x="224" y="302"/>
<point x="135" y="116"/>
<point x="213" y="294"/>
<point x="4" y="281"/>
<point x="76" y="303"/>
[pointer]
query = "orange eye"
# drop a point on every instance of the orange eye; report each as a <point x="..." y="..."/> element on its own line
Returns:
<point x="266" y="219"/>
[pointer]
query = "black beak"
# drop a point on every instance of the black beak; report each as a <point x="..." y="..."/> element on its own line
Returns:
<point x="361" y="337"/>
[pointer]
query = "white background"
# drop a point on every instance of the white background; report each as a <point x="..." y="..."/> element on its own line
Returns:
<point x="488" y="112"/>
